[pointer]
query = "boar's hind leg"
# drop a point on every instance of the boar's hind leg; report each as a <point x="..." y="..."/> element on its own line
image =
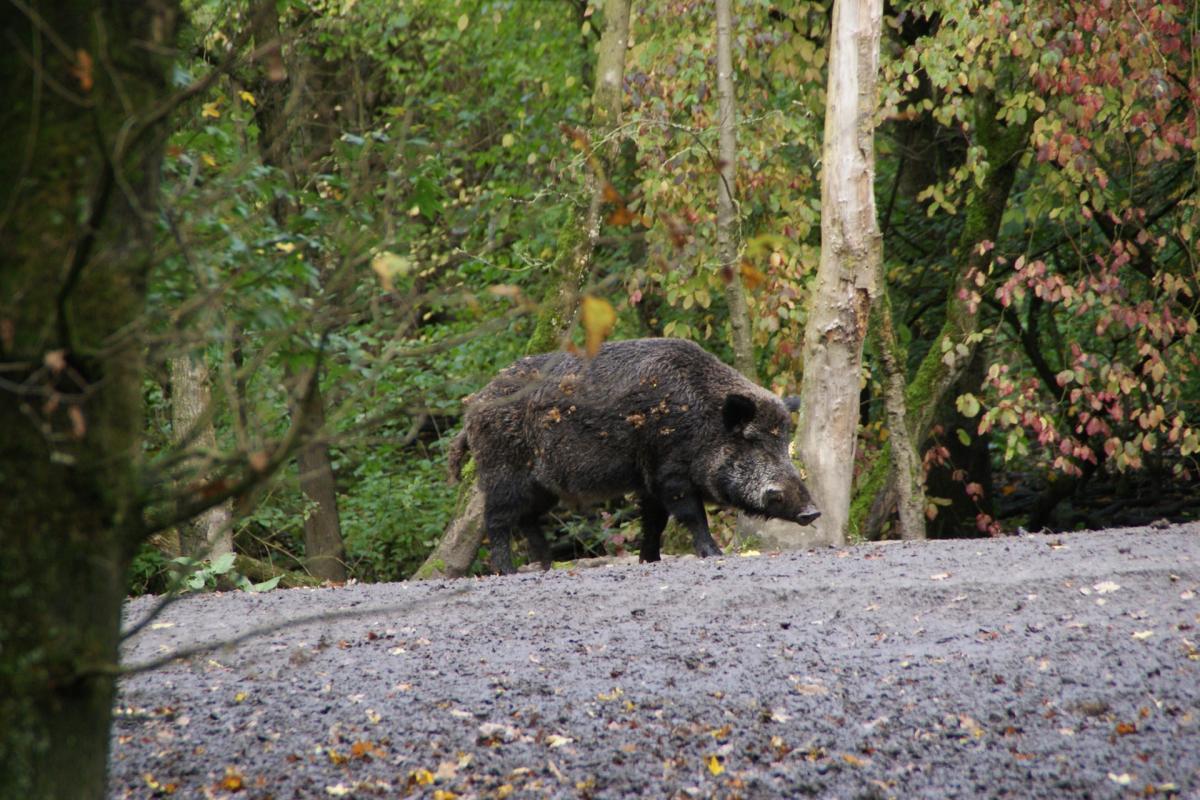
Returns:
<point x="540" y="502"/>
<point x="685" y="505"/>
<point x="654" y="520"/>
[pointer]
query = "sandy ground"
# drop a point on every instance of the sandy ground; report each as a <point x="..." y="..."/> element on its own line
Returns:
<point x="1032" y="667"/>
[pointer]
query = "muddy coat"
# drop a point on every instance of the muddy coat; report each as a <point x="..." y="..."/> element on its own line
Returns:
<point x="658" y="418"/>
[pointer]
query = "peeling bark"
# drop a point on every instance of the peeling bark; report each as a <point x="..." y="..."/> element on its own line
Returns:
<point x="851" y="249"/>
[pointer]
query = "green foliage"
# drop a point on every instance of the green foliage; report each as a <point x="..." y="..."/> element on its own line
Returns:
<point x="405" y="233"/>
<point x="152" y="571"/>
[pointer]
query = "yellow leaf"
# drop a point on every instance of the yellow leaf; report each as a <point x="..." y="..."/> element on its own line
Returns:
<point x="389" y="266"/>
<point x="714" y="765"/>
<point x="507" y="140"/>
<point x="442" y="794"/>
<point x="421" y="777"/>
<point x="210" y="110"/>
<point x="207" y="159"/>
<point x="247" y="97"/>
<point x="463" y="22"/>
<point x="239" y="697"/>
<point x="232" y="781"/>
<point x="285" y="247"/>
<point x="613" y="695"/>
<point x="599" y="317"/>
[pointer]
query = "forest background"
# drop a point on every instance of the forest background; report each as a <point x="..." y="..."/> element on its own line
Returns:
<point x="369" y="207"/>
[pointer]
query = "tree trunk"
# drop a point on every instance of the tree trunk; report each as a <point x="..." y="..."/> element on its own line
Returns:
<point x="70" y="408"/>
<point x="910" y="484"/>
<point x="577" y="237"/>
<point x="851" y="246"/>
<point x="955" y="344"/>
<point x="454" y="554"/>
<point x="324" y="548"/>
<point x="210" y="534"/>
<point x="325" y="553"/>
<point x="463" y="537"/>
<point x="727" y="217"/>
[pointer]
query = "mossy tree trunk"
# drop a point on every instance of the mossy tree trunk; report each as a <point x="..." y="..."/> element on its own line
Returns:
<point x="727" y="217"/>
<point x="572" y="265"/>
<point x="910" y="483"/>
<point x="84" y="86"/>
<point x="577" y="237"/>
<point x="851" y="250"/>
<point x="955" y="344"/>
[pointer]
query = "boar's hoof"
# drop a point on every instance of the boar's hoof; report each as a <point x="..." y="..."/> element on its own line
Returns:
<point x="708" y="550"/>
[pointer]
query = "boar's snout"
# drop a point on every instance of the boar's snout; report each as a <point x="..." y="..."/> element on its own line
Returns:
<point x="808" y="515"/>
<point x="790" y="502"/>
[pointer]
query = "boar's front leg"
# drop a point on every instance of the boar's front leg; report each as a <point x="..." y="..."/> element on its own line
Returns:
<point x="684" y="504"/>
<point x="654" y="520"/>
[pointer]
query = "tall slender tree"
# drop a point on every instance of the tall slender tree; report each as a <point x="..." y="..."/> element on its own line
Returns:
<point x="727" y="218"/>
<point x="851" y="249"/>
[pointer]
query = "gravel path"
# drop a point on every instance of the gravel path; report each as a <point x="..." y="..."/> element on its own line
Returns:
<point x="1030" y="667"/>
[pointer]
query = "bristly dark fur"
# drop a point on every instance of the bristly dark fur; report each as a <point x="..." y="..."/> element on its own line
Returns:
<point x="659" y="418"/>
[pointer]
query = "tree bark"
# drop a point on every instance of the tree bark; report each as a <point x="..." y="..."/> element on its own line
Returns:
<point x="910" y="484"/>
<point x="463" y="537"/>
<point x="851" y="249"/>
<point x="727" y="217"/>
<point x="324" y="550"/>
<point x="210" y="534"/>
<point x="83" y="84"/>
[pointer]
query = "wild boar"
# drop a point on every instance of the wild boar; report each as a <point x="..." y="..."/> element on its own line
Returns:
<point x="659" y="418"/>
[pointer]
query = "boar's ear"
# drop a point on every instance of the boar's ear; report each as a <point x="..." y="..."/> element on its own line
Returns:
<point x="792" y="401"/>
<point x="738" y="411"/>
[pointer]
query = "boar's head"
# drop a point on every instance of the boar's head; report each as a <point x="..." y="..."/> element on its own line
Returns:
<point x="754" y="471"/>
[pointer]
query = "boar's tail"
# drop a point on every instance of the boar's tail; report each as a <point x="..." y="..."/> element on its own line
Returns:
<point x="457" y="455"/>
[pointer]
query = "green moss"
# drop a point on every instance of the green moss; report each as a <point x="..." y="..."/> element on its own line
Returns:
<point x="555" y="313"/>
<point x="870" y="483"/>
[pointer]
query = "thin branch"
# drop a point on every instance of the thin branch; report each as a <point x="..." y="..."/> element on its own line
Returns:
<point x="118" y="671"/>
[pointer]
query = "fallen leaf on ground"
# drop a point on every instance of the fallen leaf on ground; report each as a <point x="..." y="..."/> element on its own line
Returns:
<point x="714" y="765"/>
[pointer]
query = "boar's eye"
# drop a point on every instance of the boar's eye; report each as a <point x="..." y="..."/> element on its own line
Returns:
<point x="739" y="410"/>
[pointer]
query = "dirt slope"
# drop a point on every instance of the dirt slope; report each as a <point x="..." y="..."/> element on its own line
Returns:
<point x="1032" y="667"/>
